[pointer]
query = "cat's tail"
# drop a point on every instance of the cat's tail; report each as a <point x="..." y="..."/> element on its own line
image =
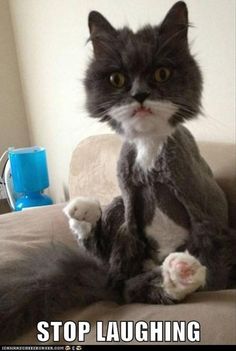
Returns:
<point x="46" y="281"/>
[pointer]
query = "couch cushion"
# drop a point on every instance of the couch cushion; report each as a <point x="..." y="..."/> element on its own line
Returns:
<point x="215" y="311"/>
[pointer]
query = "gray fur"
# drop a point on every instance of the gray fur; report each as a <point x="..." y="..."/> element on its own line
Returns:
<point x="138" y="55"/>
<point x="192" y="192"/>
<point x="180" y="184"/>
<point x="42" y="284"/>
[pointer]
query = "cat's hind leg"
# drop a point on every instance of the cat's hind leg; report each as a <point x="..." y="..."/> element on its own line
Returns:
<point x="178" y="276"/>
<point x="182" y="274"/>
<point x="83" y="214"/>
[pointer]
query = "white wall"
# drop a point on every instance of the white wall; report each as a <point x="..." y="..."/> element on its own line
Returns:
<point x="50" y="37"/>
<point x="13" y="124"/>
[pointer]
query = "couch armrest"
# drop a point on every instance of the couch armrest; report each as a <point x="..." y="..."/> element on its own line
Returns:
<point x="31" y="228"/>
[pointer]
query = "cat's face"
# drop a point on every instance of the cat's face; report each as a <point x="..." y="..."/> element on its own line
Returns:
<point x="146" y="82"/>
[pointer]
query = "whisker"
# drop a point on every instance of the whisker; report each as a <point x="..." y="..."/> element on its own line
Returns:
<point x="215" y="120"/>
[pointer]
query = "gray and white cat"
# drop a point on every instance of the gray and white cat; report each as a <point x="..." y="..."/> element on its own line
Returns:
<point x="168" y="234"/>
<point x="144" y="85"/>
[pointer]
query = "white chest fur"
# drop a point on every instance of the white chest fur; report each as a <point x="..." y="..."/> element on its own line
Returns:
<point x="166" y="232"/>
<point x="147" y="152"/>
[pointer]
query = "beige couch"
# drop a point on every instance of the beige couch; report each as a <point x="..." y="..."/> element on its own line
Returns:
<point x="93" y="172"/>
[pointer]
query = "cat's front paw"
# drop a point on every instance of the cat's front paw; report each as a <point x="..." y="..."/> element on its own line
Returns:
<point x="84" y="209"/>
<point x="81" y="230"/>
<point x="83" y="214"/>
<point x="182" y="274"/>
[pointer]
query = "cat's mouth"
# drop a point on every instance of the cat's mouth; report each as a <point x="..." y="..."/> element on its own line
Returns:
<point x="142" y="112"/>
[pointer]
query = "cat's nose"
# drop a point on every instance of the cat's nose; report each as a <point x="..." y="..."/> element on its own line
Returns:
<point x="141" y="96"/>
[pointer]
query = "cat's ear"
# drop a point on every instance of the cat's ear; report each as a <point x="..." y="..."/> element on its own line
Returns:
<point x="175" y="24"/>
<point x="101" y="32"/>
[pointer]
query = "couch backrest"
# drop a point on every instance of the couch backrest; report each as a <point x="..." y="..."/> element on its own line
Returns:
<point x="93" y="169"/>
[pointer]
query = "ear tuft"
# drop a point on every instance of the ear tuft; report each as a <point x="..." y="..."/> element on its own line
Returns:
<point x="176" y="20"/>
<point x="102" y="33"/>
<point x="97" y="23"/>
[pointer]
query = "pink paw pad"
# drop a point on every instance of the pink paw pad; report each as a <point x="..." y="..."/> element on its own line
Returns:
<point x="184" y="270"/>
<point x="183" y="274"/>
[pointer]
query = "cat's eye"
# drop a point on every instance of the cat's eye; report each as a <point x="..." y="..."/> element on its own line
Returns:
<point x="117" y="79"/>
<point x="162" y="74"/>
